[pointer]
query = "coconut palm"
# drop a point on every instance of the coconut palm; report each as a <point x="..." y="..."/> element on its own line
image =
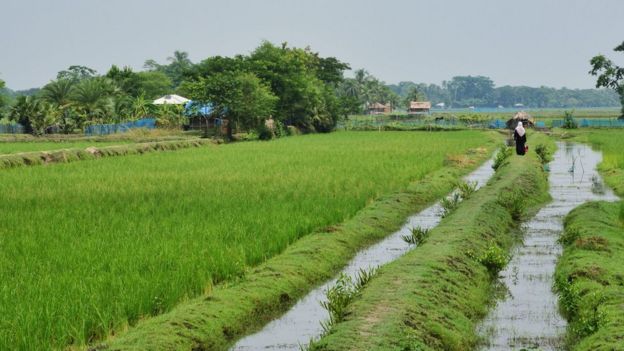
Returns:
<point x="94" y="99"/>
<point x="58" y="92"/>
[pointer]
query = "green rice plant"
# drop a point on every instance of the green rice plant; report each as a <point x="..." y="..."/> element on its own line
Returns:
<point x="95" y="242"/>
<point x="621" y="214"/>
<point x="341" y="294"/>
<point x="466" y="189"/>
<point x="417" y="236"/>
<point x="501" y="157"/>
<point x="494" y="259"/>
<point x="450" y="203"/>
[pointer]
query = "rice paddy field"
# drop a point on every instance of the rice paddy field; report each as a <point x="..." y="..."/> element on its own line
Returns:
<point x="87" y="248"/>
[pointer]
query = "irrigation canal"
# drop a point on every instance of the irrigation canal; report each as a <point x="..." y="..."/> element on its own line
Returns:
<point x="527" y="317"/>
<point x="302" y="322"/>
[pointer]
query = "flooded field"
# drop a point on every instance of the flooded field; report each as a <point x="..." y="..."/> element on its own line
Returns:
<point x="527" y="316"/>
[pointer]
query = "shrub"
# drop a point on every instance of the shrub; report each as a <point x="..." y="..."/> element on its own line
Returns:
<point x="417" y="236"/>
<point x="494" y="259"/>
<point x="514" y="202"/>
<point x="543" y="153"/>
<point x="568" y="120"/>
<point x="501" y="157"/>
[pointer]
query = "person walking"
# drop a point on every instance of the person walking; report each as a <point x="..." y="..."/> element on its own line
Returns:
<point x="520" y="138"/>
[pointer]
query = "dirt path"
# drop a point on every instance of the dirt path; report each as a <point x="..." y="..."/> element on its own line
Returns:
<point x="528" y="316"/>
<point x="302" y="323"/>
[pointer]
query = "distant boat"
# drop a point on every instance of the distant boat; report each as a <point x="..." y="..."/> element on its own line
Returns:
<point x="471" y="107"/>
<point x="500" y="106"/>
<point x="440" y="105"/>
<point x="519" y="105"/>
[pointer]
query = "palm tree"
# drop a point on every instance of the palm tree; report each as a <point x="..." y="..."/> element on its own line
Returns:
<point x="58" y="92"/>
<point x="93" y="99"/>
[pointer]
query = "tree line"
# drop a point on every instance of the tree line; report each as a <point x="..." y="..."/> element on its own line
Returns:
<point x="479" y="91"/>
<point x="293" y="86"/>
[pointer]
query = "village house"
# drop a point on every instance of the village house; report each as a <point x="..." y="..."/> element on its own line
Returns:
<point x="419" y="107"/>
<point x="379" y="109"/>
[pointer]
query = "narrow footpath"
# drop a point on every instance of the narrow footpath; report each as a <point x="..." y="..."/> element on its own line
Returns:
<point x="528" y="317"/>
<point x="302" y="323"/>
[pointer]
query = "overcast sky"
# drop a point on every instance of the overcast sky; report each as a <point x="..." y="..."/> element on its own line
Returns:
<point x="517" y="42"/>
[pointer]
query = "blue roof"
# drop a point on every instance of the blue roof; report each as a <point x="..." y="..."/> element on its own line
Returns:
<point x="193" y="108"/>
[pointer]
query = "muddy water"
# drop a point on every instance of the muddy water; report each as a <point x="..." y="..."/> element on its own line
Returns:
<point x="528" y="317"/>
<point x="302" y="322"/>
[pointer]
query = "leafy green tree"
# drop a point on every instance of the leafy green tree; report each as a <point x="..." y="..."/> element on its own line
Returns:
<point x="240" y="97"/>
<point x="609" y="74"/>
<point x="153" y="85"/>
<point x="3" y="99"/>
<point x="178" y="67"/>
<point x="76" y="73"/>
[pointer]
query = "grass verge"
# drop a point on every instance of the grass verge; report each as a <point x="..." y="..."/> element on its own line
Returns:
<point x="231" y="310"/>
<point x="433" y="297"/>
<point x="77" y="154"/>
<point x="590" y="276"/>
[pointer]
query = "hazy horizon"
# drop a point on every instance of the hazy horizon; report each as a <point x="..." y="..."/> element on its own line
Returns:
<point x="533" y="43"/>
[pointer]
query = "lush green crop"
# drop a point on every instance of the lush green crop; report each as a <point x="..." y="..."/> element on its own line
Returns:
<point x="90" y="246"/>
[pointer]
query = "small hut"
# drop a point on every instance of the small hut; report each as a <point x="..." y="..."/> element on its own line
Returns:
<point x="419" y="107"/>
<point x="379" y="108"/>
<point x="521" y="116"/>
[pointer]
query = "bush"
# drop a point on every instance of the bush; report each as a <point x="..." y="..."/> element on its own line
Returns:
<point x="502" y="156"/>
<point x="568" y="120"/>
<point x="264" y="132"/>
<point x="494" y="259"/>
<point x="543" y="153"/>
<point x="514" y="202"/>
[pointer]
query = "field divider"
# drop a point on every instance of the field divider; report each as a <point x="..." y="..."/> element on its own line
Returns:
<point x="78" y="154"/>
<point x="234" y="309"/>
<point x="433" y="297"/>
<point x="590" y="277"/>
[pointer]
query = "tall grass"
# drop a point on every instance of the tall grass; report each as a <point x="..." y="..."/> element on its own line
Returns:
<point x="91" y="246"/>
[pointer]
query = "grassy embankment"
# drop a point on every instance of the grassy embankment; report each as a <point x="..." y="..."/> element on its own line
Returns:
<point x="131" y="237"/>
<point x="433" y="297"/>
<point x="590" y="274"/>
<point x="77" y="154"/>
